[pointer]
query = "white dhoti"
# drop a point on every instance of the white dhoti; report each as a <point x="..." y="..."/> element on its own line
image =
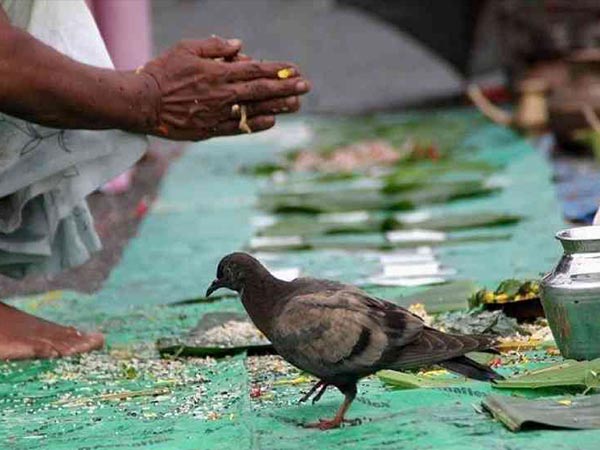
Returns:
<point x="46" y="173"/>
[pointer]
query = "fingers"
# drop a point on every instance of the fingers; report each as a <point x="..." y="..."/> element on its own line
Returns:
<point x="214" y="47"/>
<point x="252" y="70"/>
<point x="242" y="57"/>
<point x="276" y="106"/>
<point x="177" y="129"/>
<point x="264" y="89"/>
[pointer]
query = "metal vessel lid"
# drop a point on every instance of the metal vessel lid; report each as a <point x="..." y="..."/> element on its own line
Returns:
<point x="580" y="239"/>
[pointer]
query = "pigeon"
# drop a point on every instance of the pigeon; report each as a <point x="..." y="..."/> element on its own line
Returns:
<point x="339" y="333"/>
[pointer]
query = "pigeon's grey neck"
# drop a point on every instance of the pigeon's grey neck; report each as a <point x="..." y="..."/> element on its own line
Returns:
<point x="263" y="296"/>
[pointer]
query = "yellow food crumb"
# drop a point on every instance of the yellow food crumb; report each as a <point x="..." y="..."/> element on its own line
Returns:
<point x="297" y="380"/>
<point x="285" y="73"/>
<point x="501" y="298"/>
<point x="565" y="402"/>
<point x="244" y="120"/>
<point x="213" y="415"/>
<point x="488" y="297"/>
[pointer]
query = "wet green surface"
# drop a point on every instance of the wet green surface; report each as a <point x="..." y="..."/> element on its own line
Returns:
<point x="203" y="212"/>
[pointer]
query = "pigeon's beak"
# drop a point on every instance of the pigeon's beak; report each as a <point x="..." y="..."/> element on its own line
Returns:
<point x="216" y="284"/>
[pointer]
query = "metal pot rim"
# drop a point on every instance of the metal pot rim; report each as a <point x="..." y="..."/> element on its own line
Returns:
<point x="580" y="239"/>
<point x="587" y="233"/>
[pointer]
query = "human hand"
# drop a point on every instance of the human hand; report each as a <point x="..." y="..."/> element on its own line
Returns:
<point x="198" y="82"/>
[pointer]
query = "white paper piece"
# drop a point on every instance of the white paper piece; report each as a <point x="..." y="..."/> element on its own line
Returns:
<point x="373" y="183"/>
<point x="414" y="217"/>
<point x="275" y="241"/>
<point x="348" y="217"/>
<point x="415" y="236"/>
<point x="263" y="221"/>
<point x="420" y="254"/>
<point x="416" y="270"/>
<point x="405" y="281"/>
<point x="496" y="181"/>
<point x="287" y="273"/>
<point x="267" y="256"/>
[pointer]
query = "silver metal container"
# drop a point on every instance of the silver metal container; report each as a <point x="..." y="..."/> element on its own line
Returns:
<point x="571" y="294"/>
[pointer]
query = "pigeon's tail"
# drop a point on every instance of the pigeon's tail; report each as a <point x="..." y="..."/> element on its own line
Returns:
<point x="470" y="369"/>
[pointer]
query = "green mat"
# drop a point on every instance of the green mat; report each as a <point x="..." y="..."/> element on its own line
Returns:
<point x="125" y="397"/>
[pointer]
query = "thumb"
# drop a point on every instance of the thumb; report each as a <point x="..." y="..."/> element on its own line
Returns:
<point x="215" y="47"/>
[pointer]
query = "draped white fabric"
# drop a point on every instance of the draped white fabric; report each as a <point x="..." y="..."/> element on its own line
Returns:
<point x="46" y="173"/>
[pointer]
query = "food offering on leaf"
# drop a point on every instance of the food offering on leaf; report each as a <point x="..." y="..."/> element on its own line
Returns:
<point x="518" y="299"/>
<point x="358" y="156"/>
<point x="217" y="334"/>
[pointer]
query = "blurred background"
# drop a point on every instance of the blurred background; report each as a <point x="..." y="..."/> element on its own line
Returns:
<point x="531" y="65"/>
<point x="364" y="55"/>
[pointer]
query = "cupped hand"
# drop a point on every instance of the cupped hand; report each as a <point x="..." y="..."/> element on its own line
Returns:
<point x="198" y="82"/>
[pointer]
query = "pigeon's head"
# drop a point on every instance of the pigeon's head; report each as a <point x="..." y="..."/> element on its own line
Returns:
<point x="234" y="270"/>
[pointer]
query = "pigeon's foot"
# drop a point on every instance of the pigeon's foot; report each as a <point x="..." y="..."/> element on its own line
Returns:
<point x="336" y="422"/>
<point x="23" y="336"/>
<point x="328" y="424"/>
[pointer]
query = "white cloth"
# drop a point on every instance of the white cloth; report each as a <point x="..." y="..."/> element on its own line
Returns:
<point x="46" y="173"/>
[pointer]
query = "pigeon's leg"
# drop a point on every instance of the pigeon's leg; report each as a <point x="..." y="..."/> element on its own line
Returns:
<point x="327" y="424"/>
<point x="319" y="384"/>
<point x="320" y="393"/>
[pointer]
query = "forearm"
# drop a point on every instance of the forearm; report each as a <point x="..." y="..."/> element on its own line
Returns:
<point x="41" y="85"/>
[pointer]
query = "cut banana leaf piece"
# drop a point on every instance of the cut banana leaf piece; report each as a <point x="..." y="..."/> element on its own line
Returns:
<point x="359" y="242"/>
<point x="217" y="334"/>
<point x="404" y="380"/>
<point x="566" y="412"/>
<point x="585" y="374"/>
<point x="356" y="222"/>
<point x="447" y="297"/>
<point x="370" y="199"/>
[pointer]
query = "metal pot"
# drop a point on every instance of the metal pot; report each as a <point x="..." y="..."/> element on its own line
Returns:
<point x="571" y="294"/>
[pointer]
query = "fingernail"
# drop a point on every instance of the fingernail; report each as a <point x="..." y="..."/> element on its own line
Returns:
<point x="301" y="86"/>
<point x="291" y="101"/>
<point x="234" y="42"/>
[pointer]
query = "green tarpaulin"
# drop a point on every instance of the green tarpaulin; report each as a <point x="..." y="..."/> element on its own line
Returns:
<point x="126" y="397"/>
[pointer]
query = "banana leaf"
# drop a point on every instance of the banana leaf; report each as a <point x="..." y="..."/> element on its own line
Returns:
<point x="422" y="174"/>
<point x="302" y="225"/>
<point x="361" y="242"/>
<point x="195" y="343"/>
<point x="585" y="374"/>
<point x="446" y="297"/>
<point x="567" y="412"/>
<point x="371" y="199"/>
<point x="448" y="131"/>
<point x="404" y="380"/>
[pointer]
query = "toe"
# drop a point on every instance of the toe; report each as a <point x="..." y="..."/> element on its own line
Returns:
<point x="82" y="343"/>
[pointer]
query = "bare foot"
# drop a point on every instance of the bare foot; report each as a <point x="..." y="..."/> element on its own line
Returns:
<point x="23" y="336"/>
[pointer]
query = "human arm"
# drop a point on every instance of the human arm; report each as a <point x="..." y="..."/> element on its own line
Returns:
<point x="185" y="94"/>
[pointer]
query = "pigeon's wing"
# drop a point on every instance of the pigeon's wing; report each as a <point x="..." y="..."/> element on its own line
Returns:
<point x="336" y="332"/>
<point x="432" y="347"/>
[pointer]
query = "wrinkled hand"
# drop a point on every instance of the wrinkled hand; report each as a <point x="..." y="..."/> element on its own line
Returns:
<point x="199" y="82"/>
